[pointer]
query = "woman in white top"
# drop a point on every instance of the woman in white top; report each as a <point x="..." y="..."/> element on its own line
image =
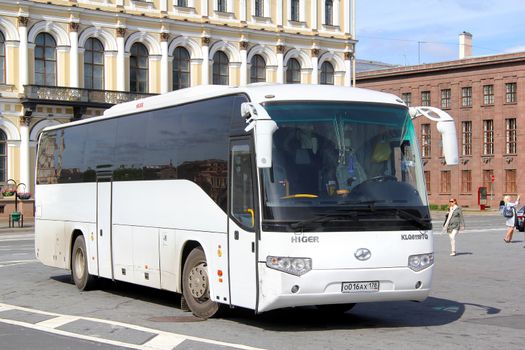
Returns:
<point x="510" y="222"/>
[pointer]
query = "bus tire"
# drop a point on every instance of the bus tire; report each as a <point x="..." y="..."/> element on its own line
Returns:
<point x="196" y="285"/>
<point x="334" y="309"/>
<point x="79" y="265"/>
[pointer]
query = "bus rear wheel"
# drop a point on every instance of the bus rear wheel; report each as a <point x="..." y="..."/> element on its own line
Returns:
<point x="79" y="266"/>
<point x="196" y="285"/>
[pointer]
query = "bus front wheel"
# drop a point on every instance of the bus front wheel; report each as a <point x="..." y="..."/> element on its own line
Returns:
<point x="79" y="266"/>
<point x="196" y="285"/>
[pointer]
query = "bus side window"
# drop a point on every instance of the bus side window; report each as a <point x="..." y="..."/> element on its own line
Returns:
<point x="242" y="207"/>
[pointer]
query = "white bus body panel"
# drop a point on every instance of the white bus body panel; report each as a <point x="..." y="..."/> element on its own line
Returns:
<point x="333" y="262"/>
<point x="105" y="268"/>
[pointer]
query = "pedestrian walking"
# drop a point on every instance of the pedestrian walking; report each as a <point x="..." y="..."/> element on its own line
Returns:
<point x="509" y="212"/>
<point x="453" y="223"/>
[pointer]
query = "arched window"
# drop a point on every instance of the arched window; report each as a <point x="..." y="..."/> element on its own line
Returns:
<point x="327" y="74"/>
<point x="220" y="68"/>
<point x="3" y="156"/>
<point x="294" y="16"/>
<point x="328" y="12"/>
<point x="138" y="66"/>
<point x="45" y="60"/>
<point x="93" y="64"/>
<point x="181" y="68"/>
<point x="258" y="69"/>
<point x="2" y="58"/>
<point x="293" y="72"/>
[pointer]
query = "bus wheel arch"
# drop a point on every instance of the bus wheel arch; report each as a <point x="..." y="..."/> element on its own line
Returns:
<point x="195" y="282"/>
<point x="79" y="263"/>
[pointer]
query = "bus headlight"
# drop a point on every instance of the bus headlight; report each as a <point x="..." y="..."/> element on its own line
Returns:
<point x="291" y="265"/>
<point x="421" y="261"/>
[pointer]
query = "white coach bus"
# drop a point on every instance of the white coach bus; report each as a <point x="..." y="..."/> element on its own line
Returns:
<point x="262" y="197"/>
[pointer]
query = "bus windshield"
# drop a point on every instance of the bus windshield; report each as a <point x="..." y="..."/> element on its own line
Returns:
<point x="343" y="166"/>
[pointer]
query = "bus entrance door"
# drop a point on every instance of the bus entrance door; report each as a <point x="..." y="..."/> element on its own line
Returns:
<point x="105" y="263"/>
<point x="241" y="227"/>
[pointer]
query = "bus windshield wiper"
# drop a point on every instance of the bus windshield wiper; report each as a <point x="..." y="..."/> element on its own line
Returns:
<point x="317" y="219"/>
<point x="405" y="214"/>
<point x="363" y="205"/>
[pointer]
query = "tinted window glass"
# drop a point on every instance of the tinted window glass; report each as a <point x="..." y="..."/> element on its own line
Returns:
<point x="70" y="162"/>
<point x="47" y="159"/>
<point x="129" y="147"/>
<point x="100" y="148"/>
<point x="191" y="142"/>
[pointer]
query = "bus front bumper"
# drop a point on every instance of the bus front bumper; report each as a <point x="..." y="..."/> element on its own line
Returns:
<point x="323" y="287"/>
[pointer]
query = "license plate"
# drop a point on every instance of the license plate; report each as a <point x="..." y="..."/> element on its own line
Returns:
<point x="360" y="287"/>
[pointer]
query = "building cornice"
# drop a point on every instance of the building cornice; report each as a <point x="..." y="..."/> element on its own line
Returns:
<point x="468" y="63"/>
<point x="200" y="22"/>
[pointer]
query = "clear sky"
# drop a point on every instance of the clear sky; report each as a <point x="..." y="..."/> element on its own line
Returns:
<point x="389" y="30"/>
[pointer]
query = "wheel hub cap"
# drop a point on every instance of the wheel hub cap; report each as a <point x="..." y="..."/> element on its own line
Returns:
<point x="198" y="281"/>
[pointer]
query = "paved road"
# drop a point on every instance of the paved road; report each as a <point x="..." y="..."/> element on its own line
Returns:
<point x="476" y="303"/>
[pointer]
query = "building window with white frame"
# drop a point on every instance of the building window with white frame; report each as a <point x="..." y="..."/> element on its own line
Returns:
<point x="3" y="156"/>
<point x="466" y="96"/>
<point x="221" y="66"/>
<point x="138" y="68"/>
<point x="45" y="60"/>
<point x="93" y="64"/>
<point x="221" y="6"/>
<point x="295" y="10"/>
<point x="425" y="98"/>
<point x="466" y="138"/>
<point x="329" y="12"/>
<point x="182" y="3"/>
<point x="446" y="95"/>
<point x="488" y="94"/>
<point x="293" y="72"/>
<point x="327" y="74"/>
<point x="181" y="68"/>
<point x="510" y="136"/>
<point x="488" y="137"/>
<point x="257" y="69"/>
<point x="425" y="140"/>
<point x="259" y="8"/>
<point x="407" y="98"/>
<point x="510" y="92"/>
<point x="2" y="58"/>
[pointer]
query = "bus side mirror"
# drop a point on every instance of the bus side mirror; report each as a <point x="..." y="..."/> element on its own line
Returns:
<point x="445" y="126"/>
<point x="263" y="128"/>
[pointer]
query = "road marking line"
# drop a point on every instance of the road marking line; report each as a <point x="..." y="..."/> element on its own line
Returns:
<point x="16" y="240"/>
<point x="57" y="321"/>
<point x="162" y="343"/>
<point x="16" y="262"/>
<point x="165" y="341"/>
<point x="5" y="307"/>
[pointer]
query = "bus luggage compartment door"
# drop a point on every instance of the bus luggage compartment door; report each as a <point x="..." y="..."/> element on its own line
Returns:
<point x="104" y="193"/>
<point x="241" y="227"/>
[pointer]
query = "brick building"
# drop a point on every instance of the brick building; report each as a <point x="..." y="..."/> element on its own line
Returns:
<point x="486" y="97"/>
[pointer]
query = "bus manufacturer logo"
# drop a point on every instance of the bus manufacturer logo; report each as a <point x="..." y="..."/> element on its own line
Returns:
<point x="362" y="254"/>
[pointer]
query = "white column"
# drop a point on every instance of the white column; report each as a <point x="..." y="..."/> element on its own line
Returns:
<point x="348" y="69"/>
<point x="229" y="6"/>
<point x="205" y="61"/>
<point x="164" y="5"/>
<point x="204" y="8"/>
<point x="267" y="12"/>
<point x="302" y="11"/>
<point x="314" y="13"/>
<point x="244" y="63"/>
<point x="280" y="12"/>
<point x="24" y="151"/>
<point x="346" y="23"/>
<point x="243" y="10"/>
<point x="23" y="54"/>
<point x="121" y="62"/>
<point x="164" y="74"/>
<point x="315" y="69"/>
<point x="73" y="56"/>
<point x="280" y="64"/>
<point x="336" y="14"/>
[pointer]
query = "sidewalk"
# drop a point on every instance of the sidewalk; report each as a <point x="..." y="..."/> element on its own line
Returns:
<point x="29" y="225"/>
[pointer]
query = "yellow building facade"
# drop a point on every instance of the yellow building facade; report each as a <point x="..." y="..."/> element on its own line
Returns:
<point x="66" y="60"/>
